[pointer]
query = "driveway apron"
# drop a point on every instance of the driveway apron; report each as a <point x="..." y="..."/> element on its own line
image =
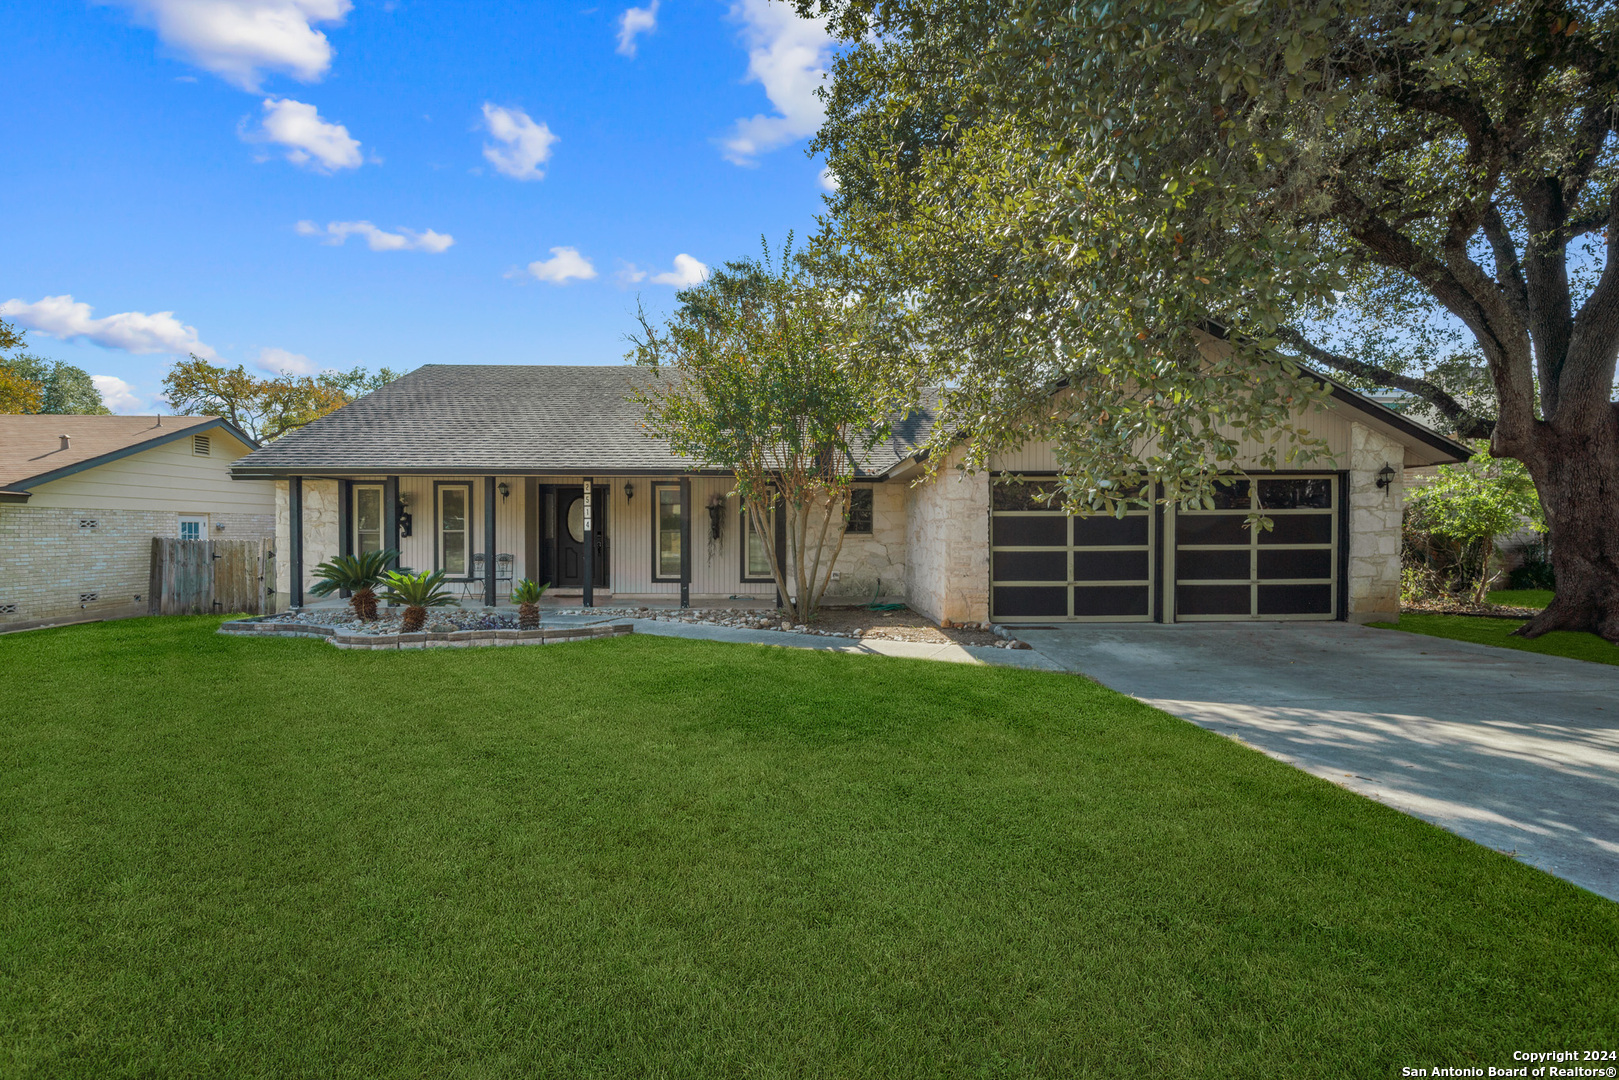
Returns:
<point x="1510" y="749"/>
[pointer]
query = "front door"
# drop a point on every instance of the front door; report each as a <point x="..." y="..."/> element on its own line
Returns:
<point x="570" y="534"/>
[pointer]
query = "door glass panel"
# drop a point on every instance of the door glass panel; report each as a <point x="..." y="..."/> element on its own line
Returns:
<point x="1298" y="529"/>
<point x="1231" y="497"/>
<point x="1292" y="494"/>
<point x="1030" y="565"/>
<point x="367" y="520"/>
<point x="1212" y="600"/>
<point x="576" y="519"/>
<point x="1014" y="600"/>
<point x="1212" y="529"/>
<point x="1110" y="600"/>
<point x="1041" y="531"/>
<point x="1195" y="565"/>
<point x="1110" y="566"/>
<point x="1022" y="496"/>
<point x="1285" y="563"/>
<point x="1295" y="599"/>
<point x="453" y="539"/>
<point x="669" y="532"/>
<point x="1104" y="531"/>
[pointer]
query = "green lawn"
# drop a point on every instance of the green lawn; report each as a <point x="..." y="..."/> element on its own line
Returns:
<point x="1535" y="598"/>
<point x="648" y="857"/>
<point x="1487" y="631"/>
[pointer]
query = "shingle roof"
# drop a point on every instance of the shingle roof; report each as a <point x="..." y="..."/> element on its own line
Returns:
<point x="501" y="418"/>
<point x="31" y="445"/>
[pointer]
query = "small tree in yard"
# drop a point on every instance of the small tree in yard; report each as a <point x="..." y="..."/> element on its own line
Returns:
<point x="751" y="375"/>
<point x="1473" y="504"/>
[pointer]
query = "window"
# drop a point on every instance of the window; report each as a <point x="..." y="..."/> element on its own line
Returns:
<point x="454" y="528"/>
<point x="200" y="446"/>
<point x="193" y="527"/>
<point x="755" y="555"/>
<point x="666" y="526"/>
<point x="368" y="519"/>
<point x="860" y="499"/>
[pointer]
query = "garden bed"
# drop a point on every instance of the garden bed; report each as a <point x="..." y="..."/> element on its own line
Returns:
<point x="853" y="623"/>
<point x="443" y="632"/>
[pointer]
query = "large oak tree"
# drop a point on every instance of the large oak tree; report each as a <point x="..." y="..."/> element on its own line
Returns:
<point x="1071" y="194"/>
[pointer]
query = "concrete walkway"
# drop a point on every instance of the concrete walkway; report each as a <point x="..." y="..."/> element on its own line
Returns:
<point x="915" y="650"/>
<point x="1510" y="749"/>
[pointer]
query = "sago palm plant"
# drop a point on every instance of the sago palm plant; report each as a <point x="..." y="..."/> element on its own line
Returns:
<point x="357" y="573"/>
<point x="526" y="595"/>
<point x="417" y="592"/>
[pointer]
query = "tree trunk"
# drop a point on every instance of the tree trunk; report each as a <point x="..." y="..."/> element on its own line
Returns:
<point x="1577" y="476"/>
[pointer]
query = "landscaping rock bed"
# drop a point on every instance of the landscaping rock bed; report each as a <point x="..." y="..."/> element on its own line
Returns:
<point x="441" y="632"/>
<point x="834" y="622"/>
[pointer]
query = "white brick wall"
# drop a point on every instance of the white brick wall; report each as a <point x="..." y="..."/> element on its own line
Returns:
<point x="48" y="561"/>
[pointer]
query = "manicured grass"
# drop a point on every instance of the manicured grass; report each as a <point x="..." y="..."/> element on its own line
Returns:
<point x="1535" y="598"/>
<point x="647" y="857"/>
<point x="1484" y="631"/>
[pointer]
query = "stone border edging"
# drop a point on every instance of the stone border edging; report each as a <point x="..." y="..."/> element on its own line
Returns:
<point x="257" y="627"/>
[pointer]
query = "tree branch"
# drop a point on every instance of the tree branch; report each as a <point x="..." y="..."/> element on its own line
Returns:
<point x="1468" y="424"/>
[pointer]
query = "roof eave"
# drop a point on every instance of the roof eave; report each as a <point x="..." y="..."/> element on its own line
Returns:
<point x="30" y="482"/>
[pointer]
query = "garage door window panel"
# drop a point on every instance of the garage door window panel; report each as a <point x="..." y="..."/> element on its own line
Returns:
<point x="1031" y="566"/>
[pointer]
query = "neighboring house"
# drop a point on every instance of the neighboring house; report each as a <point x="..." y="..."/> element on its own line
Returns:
<point x="462" y="467"/>
<point x="81" y="498"/>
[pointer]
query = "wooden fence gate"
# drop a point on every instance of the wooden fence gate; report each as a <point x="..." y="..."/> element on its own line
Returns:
<point x="193" y="577"/>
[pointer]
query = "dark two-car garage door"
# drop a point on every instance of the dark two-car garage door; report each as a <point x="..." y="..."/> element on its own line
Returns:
<point x="1047" y="566"/>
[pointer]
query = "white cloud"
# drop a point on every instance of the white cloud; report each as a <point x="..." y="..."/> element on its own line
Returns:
<point x="829" y="179"/>
<point x="119" y="396"/>
<point x="280" y="361"/>
<point x="522" y="145"/>
<point x="239" y="40"/>
<point x="564" y="264"/>
<point x="131" y="331"/>
<point x="377" y="239"/>
<point x="310" y="141"/>
<point x="687" y="272"/>
<point x="633" y="23"/>
<point x="788" y="56"/>
<point x="629" y="274"/>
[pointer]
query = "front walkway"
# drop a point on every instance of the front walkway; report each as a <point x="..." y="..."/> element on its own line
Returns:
<point x="1510" y="749"/>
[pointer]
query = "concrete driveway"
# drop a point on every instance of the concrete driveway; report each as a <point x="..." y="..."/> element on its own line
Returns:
<point x="1507" y="748"/>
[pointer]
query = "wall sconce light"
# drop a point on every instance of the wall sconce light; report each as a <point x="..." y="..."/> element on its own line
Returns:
<point x="629" y="491"/>
<point x="402" y="518"/>
<point x="1385" y="476"/>
<point x="504" y="488"/>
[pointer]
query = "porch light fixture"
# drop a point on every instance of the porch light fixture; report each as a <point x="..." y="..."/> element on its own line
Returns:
<point x="504" y="488"/>
<point x="1385" y="476"/>
<point x="629" y="491"/>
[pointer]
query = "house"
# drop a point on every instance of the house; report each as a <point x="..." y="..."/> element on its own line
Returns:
<point x="545" y="471"/>
<point x="81" y="498"/>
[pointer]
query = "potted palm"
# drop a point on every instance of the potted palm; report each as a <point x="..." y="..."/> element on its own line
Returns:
<point x="526" y="595"/>
<point x="417" y="592"/>
<point x="359" y="574"/>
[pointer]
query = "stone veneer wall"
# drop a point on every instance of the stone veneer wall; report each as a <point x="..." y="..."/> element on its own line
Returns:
<point x="875" y="563"/>
<point x="1374" y="526"/>
<point x="321" y="539"/>
<point x="947" y="534"/>
<point x="49" y="562"/>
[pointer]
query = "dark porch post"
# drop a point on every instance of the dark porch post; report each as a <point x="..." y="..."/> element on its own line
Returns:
<point x="390" y="515"/>
<point x="295" y="540"/>
<point x="781" y="545"/>
<point x="685" y="541"/>
<point x="345" y="524"/>
<point x="590" y="545"/>
<point x="489" y="541"/>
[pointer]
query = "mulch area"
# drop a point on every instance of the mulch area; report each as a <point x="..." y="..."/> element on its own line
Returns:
<point x="1455" y="606"/>
<point x="904" y="625"/>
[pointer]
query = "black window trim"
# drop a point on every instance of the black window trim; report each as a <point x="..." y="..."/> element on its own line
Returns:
<point x="657" y="485"/>
<point x="438" y="526"/>
<point x="742" y="545"/>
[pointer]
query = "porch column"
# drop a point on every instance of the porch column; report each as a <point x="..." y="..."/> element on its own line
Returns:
<point x="685" y="541"/>
<point x="590" y="546"/>
<point x="295" y="540"/>
<point x="345" y="524"/>
<point x="390" y="515"/>
<point x="489" y="541"/>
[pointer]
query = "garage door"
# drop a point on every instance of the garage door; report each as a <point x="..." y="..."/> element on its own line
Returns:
<point x="1224" y="570"/>
<point x="1045" y="565"/>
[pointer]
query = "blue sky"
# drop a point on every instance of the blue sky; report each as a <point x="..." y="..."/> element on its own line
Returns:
<point x="309" y="184"/>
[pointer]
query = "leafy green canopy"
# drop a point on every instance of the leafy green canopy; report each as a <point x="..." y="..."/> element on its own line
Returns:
<point x="1475" y="503"/>
<point x="265" y="408"/>
<point x="1073" y="192"/>
<point x="29" y="384"/>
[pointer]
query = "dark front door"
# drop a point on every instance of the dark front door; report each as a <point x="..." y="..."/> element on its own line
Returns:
<point x="570" y="534"/>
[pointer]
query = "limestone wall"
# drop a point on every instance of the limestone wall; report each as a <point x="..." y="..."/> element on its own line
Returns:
<point x="1374" y="527"/>
<point x="875" y="564"/>
<point x="947" y="535"/>
<point x="321" y="536"/>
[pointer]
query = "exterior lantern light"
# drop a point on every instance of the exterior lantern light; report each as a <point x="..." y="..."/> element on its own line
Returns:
<point x="505" y="489"/>
<point x="629" y="491"/>
<point x="1385" y="476"/>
